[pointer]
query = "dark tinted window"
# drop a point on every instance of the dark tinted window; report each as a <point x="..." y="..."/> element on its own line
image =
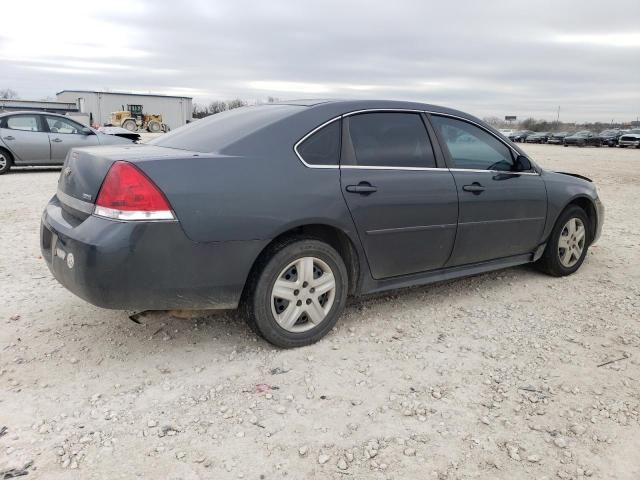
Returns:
<point x="390" y="139"/>
<point x="472" y="147"/>
<point x="216" y="132"/>
<point x="323" y="147"/>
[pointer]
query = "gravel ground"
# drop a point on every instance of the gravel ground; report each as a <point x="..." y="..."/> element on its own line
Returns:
<point x="495" y="376"/>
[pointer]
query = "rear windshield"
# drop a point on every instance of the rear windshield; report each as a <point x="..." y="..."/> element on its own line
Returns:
<point x="214" y="133"/>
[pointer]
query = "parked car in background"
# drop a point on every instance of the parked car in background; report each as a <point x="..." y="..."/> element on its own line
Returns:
<point x="538" y="137"/>
<point x="630" y="138"/>
<point x="506" y="131"/>
<point x="557" y="138"/>
<point x="285" y="209"/>
<point x="40" y="138"/>
<point x="582" y="139"/>
<point x="520" y="135"/>
<point x="610" y="137"/>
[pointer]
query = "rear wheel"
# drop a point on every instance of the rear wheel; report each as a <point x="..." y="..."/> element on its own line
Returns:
<point x="568" y="243"/>
<point x="6" y="161"/>
<point x="296" y="297"/>
<point x="130" y="125"/>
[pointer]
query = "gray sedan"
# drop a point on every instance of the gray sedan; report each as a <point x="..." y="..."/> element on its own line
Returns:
<point x="40" y="138"/>
<point x="287" y="209"/>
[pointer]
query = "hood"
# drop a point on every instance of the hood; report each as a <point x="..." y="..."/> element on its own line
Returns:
<point x="581" y="177"/>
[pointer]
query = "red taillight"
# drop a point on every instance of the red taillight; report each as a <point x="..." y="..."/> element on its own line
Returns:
<point x="128" y="194"/>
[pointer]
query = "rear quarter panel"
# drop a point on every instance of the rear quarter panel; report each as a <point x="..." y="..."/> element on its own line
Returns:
<point x="225" y="198"/>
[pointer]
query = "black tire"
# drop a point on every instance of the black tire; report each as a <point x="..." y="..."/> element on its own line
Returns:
<point x="565" y="145"/>
<point x="130" y="125"/>
<point x="257" y="301"/>
<point x="550" y="262"/>
<point x="154" y="126"/>
<point x="6" y="161"/>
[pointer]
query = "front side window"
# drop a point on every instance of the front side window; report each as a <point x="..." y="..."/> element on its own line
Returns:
<point x="471" y="147"/>
<point x="62" y="125"/>
<point x="389" y="139"/>
<point x="323" y="146"/>
<point x="28" y="123"/>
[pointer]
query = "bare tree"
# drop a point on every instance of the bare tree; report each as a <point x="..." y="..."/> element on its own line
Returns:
<point x="8" y="94"/>
<point x="236" y="103"/>
<point x="217" y="106"/>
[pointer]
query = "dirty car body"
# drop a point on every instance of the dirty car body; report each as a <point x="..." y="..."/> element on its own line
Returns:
<point x="400" y="209"/>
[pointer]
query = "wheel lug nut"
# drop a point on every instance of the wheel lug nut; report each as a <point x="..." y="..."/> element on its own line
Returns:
<point x="304" y="284"/>
<point x="312" y="290"/>
<point x="296" y="292"/>
<point x="299" y="302"/>
<point x="308" y="301"/>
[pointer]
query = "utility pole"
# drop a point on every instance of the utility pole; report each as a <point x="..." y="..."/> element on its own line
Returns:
<point x="558" y="116"/>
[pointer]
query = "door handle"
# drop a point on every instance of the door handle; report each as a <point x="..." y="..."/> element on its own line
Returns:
<point x="9" y="137"/>
<point x="474" y="188"/>
<point x="363" y="188"/>
<point x="57" y="140"/>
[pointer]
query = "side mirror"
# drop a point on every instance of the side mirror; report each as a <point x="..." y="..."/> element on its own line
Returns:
<point x="523" y="164"/>
<point x="86" y="131"/>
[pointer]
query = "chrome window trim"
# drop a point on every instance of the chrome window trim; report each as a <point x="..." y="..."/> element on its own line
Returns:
<point x="409" y="110"/>
<point x="80" y="205"/>
<point x="295" y="147"/>
<point x="378" y="167"/>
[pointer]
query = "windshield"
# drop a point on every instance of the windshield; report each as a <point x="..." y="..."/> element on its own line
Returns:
<point x="215" y="132"/>
<point x="608" y="132"/>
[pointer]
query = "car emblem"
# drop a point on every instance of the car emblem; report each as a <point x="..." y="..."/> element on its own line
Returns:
<point x="67" y="171"/>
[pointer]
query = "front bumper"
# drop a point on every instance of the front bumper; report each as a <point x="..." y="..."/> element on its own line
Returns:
<point x="629" y="143"/>
<point x="142" y="265"/>
<point x="599" y="220"/>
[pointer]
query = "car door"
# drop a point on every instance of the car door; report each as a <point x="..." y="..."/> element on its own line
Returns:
<point x="24" y="136"/>
<point x="64" y="134"/>
<point x="404" y="204"/>
<point x="502" y="209"/>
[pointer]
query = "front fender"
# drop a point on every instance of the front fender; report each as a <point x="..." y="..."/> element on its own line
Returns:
<point x="564" y="189"/>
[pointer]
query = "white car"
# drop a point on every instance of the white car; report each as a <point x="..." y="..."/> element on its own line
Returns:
<point x="506" y="131"/>
<point x="42" y="138"/>
<point x="630" y="138"/>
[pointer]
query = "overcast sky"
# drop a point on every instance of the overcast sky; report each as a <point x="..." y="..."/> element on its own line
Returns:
<point x="484" y="57"/>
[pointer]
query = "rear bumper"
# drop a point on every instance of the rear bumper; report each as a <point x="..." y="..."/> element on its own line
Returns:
<point x="142" y="265"/>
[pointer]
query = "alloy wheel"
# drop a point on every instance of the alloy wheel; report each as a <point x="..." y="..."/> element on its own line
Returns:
<point x="3" y="161"/>
<point x="303" y="294"/>
<point x="571" y="242"/>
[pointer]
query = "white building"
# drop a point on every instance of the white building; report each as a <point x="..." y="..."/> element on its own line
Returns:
<point x="175" y="111"/>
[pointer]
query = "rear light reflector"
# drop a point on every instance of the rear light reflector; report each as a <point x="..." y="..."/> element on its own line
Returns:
<point x="128" y="194"/>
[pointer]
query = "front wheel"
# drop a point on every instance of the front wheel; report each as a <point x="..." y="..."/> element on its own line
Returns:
<point x="296" y="297"/>
<point x="568" y="244"/>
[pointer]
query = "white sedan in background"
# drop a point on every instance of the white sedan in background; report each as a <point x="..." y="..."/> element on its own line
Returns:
<point x="41" y="138"/>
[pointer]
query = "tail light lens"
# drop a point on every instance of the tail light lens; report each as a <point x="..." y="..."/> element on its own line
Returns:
<point x="128" y="194"/>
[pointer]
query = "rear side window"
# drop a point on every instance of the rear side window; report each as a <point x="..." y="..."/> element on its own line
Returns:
<point x="217" y="132"/>
<point x="389" y="139"/>
<point x="28" y="123"/>
<point x="472" y="148"/>
<point x="323" y="146"/>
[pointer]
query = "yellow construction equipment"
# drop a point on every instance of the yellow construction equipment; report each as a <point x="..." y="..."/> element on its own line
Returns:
<point x="133" y="119"/>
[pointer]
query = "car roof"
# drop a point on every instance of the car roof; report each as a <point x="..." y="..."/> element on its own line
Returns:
<point x="341" y="106"/>
<point x="30" y="112"/>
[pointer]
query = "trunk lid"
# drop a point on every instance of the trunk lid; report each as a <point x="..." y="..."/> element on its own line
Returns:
<point x="84" y="170"/>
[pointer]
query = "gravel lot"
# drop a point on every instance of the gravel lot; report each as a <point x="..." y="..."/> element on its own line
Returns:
<point x="495" y="376"/>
